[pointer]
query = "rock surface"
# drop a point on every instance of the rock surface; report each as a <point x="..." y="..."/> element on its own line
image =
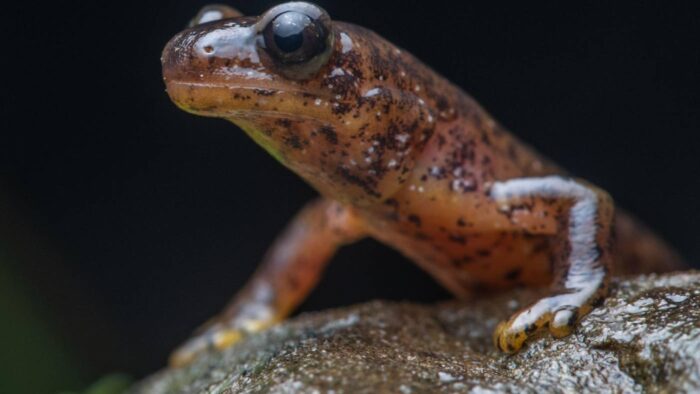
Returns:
<point x="645" y="338"/>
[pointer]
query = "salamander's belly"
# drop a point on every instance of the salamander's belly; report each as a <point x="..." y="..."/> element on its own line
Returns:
<point x="489" y="260"/>
<point x="463" y="259"/>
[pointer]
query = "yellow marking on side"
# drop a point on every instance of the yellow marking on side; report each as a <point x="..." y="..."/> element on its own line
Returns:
<point x="257" y="136"/>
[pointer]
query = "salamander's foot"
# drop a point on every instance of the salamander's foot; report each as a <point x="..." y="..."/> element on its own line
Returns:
<point x="217" y="337"/>
<point x="210" y="340"/>
<point x="559" y="313"/>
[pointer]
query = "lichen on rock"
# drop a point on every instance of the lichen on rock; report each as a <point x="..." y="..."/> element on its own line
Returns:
<point x="645" y="338"/>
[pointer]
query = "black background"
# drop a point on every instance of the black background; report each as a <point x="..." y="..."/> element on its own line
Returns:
<point x="133" y="221"/>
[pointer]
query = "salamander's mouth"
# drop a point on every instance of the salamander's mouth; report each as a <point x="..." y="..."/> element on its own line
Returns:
<point x="231" y="100"/>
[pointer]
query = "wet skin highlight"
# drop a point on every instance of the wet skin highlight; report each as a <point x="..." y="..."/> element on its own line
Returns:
<point x="400" y="154"/>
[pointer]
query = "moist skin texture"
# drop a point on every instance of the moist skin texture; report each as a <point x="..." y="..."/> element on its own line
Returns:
<point x="400" y="154"/>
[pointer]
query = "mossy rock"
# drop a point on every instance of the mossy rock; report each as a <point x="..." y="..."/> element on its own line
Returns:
<point x="645" y="338"/>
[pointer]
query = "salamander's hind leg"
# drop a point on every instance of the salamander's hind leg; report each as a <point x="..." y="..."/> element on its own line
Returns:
<point x="582" y="256"/>
<point x="287" y="274"/>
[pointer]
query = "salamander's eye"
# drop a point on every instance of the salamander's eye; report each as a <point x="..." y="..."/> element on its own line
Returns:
<point x="293" y="37"/>
<point x="298" y="38"/>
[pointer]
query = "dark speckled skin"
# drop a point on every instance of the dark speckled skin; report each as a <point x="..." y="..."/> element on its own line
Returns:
<point x="402" y="155"/>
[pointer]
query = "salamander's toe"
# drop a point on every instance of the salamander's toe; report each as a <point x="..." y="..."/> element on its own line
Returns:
<point x="508" y="340"/>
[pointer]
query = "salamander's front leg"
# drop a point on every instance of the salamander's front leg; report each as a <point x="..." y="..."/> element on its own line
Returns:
<point x="288" y="273"/>
<point x="581" y="255"/>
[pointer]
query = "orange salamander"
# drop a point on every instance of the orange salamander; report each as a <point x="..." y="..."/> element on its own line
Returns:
<point x="399" y="154"/>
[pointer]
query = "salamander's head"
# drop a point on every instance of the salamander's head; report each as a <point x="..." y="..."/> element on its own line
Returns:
<point x="334" y="102"/>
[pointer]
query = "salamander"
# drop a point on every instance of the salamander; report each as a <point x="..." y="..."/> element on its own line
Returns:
<point x="399" y="154"/>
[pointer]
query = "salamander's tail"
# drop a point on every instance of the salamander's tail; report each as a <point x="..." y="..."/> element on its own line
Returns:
<point x="639" y="250"/>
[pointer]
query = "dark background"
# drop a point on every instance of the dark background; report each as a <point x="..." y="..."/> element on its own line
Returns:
<point x="125" y="222"/>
